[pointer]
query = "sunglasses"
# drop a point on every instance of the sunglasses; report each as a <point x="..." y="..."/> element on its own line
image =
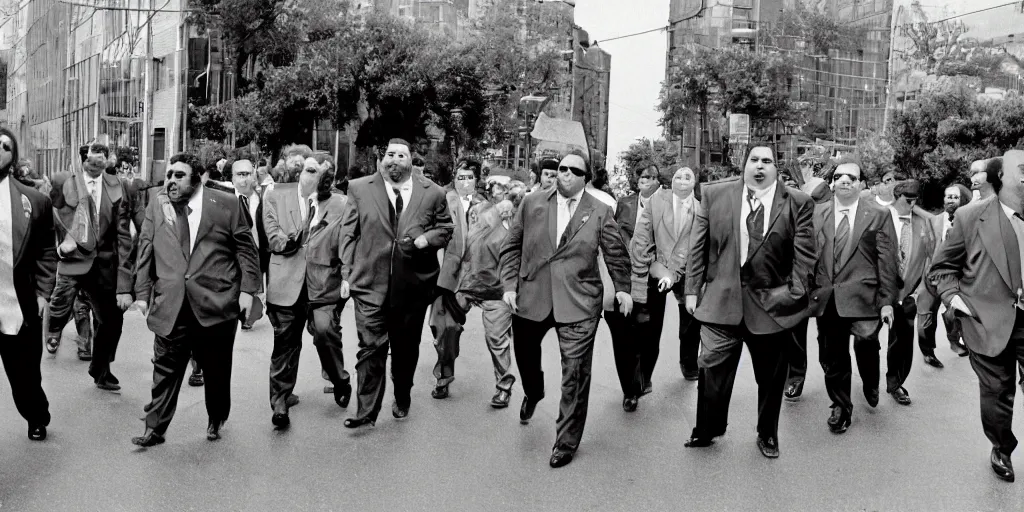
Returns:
<point x="6" y="147"/>
<point x="646" y="177"/>
<point x="839" y="175"/>
<point x="176" y="175"/>
<point x="465" y="178"/>
<point x="575" y="170"/>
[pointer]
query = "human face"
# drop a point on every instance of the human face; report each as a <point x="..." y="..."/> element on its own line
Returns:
<point x="310" y="177"/>
<point x="648" y="181"/>
<point x="760" y="172"/>
<point x="243" y="177"/>
<point x="904" y="205"/>
<point x="498" y="192"/>
<point x="465" y="182"/>
<point x="548" y="178"/>
<point x="978" y="180"/>
<point x="6" y="151"/>
<point x="1013" y="177"/>
<point x="570" y="175"/>
<point x="951" y="200"/>
<point x="95" y="163"/>
<point x="178" y="182"/>
<point x="888" y="182"/>
<point x="846" y="182"/>
<point x="683" y="182"/>
<point x="397" y="163"/>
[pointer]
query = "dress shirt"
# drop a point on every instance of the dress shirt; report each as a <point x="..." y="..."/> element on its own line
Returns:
<point x="680" y="209"/>
<point x="946" y="225"/>
<point x="564" y="213"/>
<point x="254" y="205"/>
<point x="1018" y="229"/>
<point x="95" y="188"/>
<point x="766" y="197"/>
<point x="851" y="214"/>
<point x="11" y="318"/>
<point x="195" y="203"/>
<point x="883" y="202"/>
<point x="897" y="222"/>
<point x="404" y="188"/>
<point x="303" y="204"/>
<point x="466" y="203"/>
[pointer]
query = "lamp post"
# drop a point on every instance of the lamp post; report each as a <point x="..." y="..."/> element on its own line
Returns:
<point x="530" y="107"/>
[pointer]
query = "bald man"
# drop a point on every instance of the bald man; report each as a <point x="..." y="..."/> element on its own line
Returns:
<point x="981" y="184"/>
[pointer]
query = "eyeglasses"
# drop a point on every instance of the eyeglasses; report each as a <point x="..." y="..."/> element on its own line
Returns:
<point x="243" y="174"/>
<point x="646" y="177"/>
<point x="465" y="177"/>
<point x="839" y="175"/>
<point x="176" y="175"/>
<point x="310" y="170"/>
<point x="6" y="147"/>
<point x="575" y="170"/>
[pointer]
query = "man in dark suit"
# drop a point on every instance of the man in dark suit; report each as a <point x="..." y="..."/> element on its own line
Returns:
<point x="856" y="283"/>
<point x="294" y="217"/>
<point x="391" y="232"/>
<point x="549" y="266"/>
<point x="198" y="268"/>
<point x="752" y="252"/>
<point x="243" y="180"/>
<point x="977" y="272"/>
<point x="28" y="263"/>
<point x="94" y="214"/>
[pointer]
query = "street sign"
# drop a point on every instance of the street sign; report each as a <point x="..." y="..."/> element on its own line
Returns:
<point x="739" y="129"/>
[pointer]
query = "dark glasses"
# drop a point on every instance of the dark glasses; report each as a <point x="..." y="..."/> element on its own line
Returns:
<point x="575" y="170"/>
<point x="841" y="174"/>
<point x="6" y="147"/>
<point x="465" y="177"/>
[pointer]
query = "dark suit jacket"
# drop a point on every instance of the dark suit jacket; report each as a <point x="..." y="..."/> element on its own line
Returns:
<point x="980" y="262"/>
<point x="927" y="294"/>
<point x="564" y="280"/>
<point x="110" y="235"/>
<point x="451" y="264"/>
<point x="625" y="216"/>
<point x="379" y="262"/>
<point x="868" y="276"/>
<point x="35" y="255"/>
<point x="921" y="251"/>
<point x="223" y="263"/>
<point x="768" y="293"/>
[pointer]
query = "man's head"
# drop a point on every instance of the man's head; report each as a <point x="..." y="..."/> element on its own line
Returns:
<point x="397" y="161"/>
<point x="985" y="176"/>
<point x="647" y="182"/>
<point x="313" y="169"/>
<point x="905" y="194"/>
<point x="506" y="210"/>
<point x="183" y="177"/>
<point x="846" y="181"/>
<point x="954" y="197"/>
<point x="760" y="172"/>
<point x="1011" y="189"/>
<point x="497" y="190"/>
<point x="243" y="176"/>
<point x="467" y="174"/>
<point x="548" y="173"/>
<point x="573" y="174"/>
<point x="889" y="181"/>
<point x="96" y="159"/>
<point x="683" y="182"/>
<point x="8" y="152"/>
<point x="262" y="172"/>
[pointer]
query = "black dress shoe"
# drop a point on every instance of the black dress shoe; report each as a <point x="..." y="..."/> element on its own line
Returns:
<point x="933" y="361"/>
<point x="213" y="430"/>
<point x="280" y="420"/>
<point x="37" y="432"/>
<point x="629" y="403"/>
<point x="342" y="394"/>
<point x="1002" y="465"/>
<point x="84" y="355"/>
<point x="196" y="379"/>
<point x="359" y="422"/>
<point x="527" y="410"/>
<point x="901" y="396"/>
<point x="560" y="459"/>
<point x="769" y="446"/>
<point x="501" y="399"/>
<point x="148" y="439"/>
<point x="959" y="349"/>
<point x="696" y="441"/>
<point x="871" y="395"/>
<point x="440" y="392"/>
<point x="105" y="383"/>
<point x="691" y="375"/>
<point x="793" y="391"/>
<point x="246" y="327"/>
<point x="52" y="344"/>
<point x="399" y="411"/>
<point x="839" y="421"/>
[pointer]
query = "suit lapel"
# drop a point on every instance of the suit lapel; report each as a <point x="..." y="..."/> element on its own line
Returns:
<point x="995" y="232"/>
<point x="552" y="213"/>
<point x="19" y="223"/>
<point x="419" y="189"/>
<point x="455" y="206"/>
<point x="205" y="220"/>
<point x="859" y="225"/>
<point x="735" y="205"/>
<point x="380" y="199"/>
<point x="777" y="205"/>
<point x="827" y="234"/>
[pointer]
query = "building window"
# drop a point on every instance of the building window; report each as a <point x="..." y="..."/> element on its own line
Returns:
<point x="159" y="143"/>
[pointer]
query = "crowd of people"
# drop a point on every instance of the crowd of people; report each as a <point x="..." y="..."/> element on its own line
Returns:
<point x="749" y="260"/>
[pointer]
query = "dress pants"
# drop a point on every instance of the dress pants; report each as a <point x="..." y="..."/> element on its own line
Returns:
<point x="212" y="347"/>
<point x="576" y="344"/>
<point x="21" y="354"/>
<point x="996" y="381"/>
<point x="834" y="353"/>
<point x="84" y="324"/>
<point x="108" y="319"/>
<point x="447" y="319"/>
<point x="927" y="325"/>
<point x="900" y="353"/>
<point x="797" y="353"/>
<point x="378" y="327"/>
<point x="721" y="348"/>
<point x="325" y="325"/>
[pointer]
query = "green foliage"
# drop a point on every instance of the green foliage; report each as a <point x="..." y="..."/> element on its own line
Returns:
<point x="658" y="151"/>
<point x="876" y="155"/>
<point x="822" y="32"/>
<point x="206" y="122"/>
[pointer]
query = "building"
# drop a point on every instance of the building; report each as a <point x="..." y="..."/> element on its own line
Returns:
<point x="591" y="85"/>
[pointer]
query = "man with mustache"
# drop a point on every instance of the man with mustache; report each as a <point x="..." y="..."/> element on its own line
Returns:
<point x="752" y="251"/>
<point x="390" y="235"/>
<point x="198" y="268"/>
<point x="93" y="221"/>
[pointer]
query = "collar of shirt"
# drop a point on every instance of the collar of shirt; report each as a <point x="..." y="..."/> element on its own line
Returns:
<point x="564" y="201"/>
<point x="686" y="203"/>
<point x="93" y="181"/>
<point x="404" y="186"/>
<point x="196" y="202"/>
<point x="1008" y="211"/>
<point x="851" y="211"/>
<point x="766" y="196"/>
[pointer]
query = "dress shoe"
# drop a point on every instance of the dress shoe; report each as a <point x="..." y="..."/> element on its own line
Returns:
<point x="691" y="375"/>
<point x="359" y="422"/>
<point x="793" y="391"/>
<point x="108" y="383"/>
<point x="440" y="392"/>
<point x="933" y="361"/>
<point x="501" y="399"/>
<point x="150" y="438"/>
<point x="213" y="430"/>
<point x="901" y="396"/>
<point x="37" y="432"/>
<point x="52" y="344"/>
<point x="629" y="404"/>
<point x="527" y="410"/>
<point x="280" y="420"/>
<point x="871" y="395"/>
<point x="959" y="348"/>
<point x="328" y="390"/>
<point x="696" y="441"/>
<point x="342" y="394"/>
<point x="246" y="327"/>
<point x="399" y="411"/>
<point x="839" y="421"/>
<point x="292" y="400"/>
<point x="84" y="355"/>
<point x="560" y="459"/>
<point x="1002" y="465"/>
<point x="769" y="446"/>
<point x="196" y="379"/>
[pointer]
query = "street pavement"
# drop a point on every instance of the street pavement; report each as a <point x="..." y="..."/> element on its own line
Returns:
<point x="461" y="455"/>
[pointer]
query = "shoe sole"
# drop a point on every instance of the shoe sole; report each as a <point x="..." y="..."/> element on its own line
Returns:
<point x="498" y="405"/>
<point x="792" y="398"/>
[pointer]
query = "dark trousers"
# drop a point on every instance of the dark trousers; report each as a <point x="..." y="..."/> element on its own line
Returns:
<point x="927" y="325"/>
<point x="83" y="323"/>
<point x="576" y="344"/>
<point x="834" y="353"/>
<point x="107" y="317"/>
<point x="796" y="352"/>
<point x="721" y="347"/>
<point x="21" y="354"/>
<point x="900" y="353"/>
<point x="998" y="387"/>
<point x="379" y="327"/>
<point x="212" y="347"/>
<point x="447" y="318"/>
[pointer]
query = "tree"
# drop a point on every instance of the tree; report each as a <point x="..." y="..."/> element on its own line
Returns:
<point x="823" y="32"/>
<point x="644" y="150"/>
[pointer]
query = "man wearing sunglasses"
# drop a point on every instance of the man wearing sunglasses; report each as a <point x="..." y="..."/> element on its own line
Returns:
<point x="857" y="282"/>
<point x="549" y="267"/>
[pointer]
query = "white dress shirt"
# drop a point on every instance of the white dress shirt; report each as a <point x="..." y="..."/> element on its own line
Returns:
<point x="11" y="318"/>
<point x="195" y="203"/>
<point x="254" y="205"/>
<point x="681" y="208"/>
<point x="766" y="197"/>
<point x="404" y="188"/>
<point x="95" y="188"/>
<point x="565" y="213"/>
<point x="303" y="204"/>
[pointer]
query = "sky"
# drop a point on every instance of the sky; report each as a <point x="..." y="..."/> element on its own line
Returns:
<point x="638" y="64"/>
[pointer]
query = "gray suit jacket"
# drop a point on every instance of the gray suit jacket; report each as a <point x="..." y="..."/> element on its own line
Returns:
<point x="451" y="264"/>
<point x="655" y="240"/>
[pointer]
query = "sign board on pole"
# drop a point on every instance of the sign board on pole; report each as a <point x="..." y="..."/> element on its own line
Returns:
<point x="739" y="129"/>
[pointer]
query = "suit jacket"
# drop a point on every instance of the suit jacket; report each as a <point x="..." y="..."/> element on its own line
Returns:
<point x="980" y="262"/>
<point x="282" y="217"/>
<point x="927" y="294"/>
<point x="323" y="253"/>
<point x="451" y="264"/>
<point x="768" y="293"/>
<point x="35" y="254"/>
<point x="380" y="262"/>
<point x="107" y="239"/>
<point x="223" y="263"/>
<point x="625" y="216"/>
<point x="921" y="251"/>
<point x="656" y="241"/>
<point x="562" y="280"/>
<point x="868" y="275"/>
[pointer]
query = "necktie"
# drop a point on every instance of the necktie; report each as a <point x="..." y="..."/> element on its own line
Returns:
<point x="905" y="242"/>
<point x="245" y="209"/>
<point x="399" y="205"/>
<point x="570" y="207"/>
<point x="755" y="223"/>
<point x="183" y="211"/>
<point x="311" y="208"/>
<point x="950" y="217"/>
<point x="93" y="186"/>
<point x="11" y="318"/>
<point x="841" y="239"/>
<point x="945" y="233"/>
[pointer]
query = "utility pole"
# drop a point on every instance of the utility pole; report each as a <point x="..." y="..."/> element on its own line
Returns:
<point x="145" y="169"/>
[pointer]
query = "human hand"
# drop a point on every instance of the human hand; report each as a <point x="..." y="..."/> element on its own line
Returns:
<point x="67" y="246"/>
<point x="691" y="304"/>
<point x="41" y="305"/>
<point x="625" y="303"/>
<point x="887" y="315"/>
<point x="510" y="299"/>
<point x="245" y="303"/>
<point x="124" y="301"/>
<point x="665" y="284"/>
<point x="421" y="242"/>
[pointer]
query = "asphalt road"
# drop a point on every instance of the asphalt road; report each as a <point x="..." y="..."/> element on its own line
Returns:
<point x="461" y="455"/>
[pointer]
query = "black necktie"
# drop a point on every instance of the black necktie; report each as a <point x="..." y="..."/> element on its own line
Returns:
<point x="245" y="209"/>
<point x="399" y="205"/>
<point x="951" y="217"/>
<point x="755" y="223"/>
<point x="839" y="243"/>
<point x="184" y="210"/>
